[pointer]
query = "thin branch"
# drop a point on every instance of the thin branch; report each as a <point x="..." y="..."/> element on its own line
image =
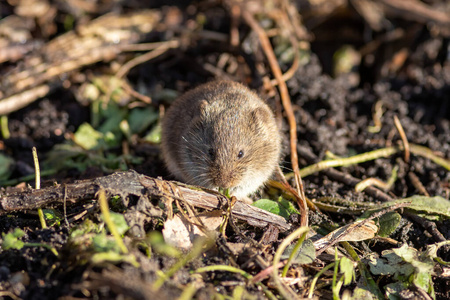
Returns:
<point x="403" y="137"/>
<point x="285" y="99"/>
<point x="146" y="57"/>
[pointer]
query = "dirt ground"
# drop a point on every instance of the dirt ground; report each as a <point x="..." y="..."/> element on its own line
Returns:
<point x="356" y="73"/>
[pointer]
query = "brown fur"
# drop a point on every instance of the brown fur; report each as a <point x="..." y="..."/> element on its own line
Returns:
<point x="205" y="130"/>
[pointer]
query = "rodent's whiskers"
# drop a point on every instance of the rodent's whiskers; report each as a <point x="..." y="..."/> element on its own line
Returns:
<point x="192" y="144"/>
<point x="283" y="168"/>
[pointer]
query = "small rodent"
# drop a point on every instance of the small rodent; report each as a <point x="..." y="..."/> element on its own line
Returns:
<point x="221" y="134"/>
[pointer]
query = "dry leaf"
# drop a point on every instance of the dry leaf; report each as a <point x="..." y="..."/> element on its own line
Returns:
<point x="179" y="233"/>
<point x="350" y="233"/>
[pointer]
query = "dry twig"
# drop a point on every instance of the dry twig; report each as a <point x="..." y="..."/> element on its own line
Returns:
<point x="285" y="99"/>
<point x="403" y="137"/>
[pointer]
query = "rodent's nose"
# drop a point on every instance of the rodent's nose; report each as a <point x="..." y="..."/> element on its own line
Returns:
<point x="222" y="183"/>
<point x="224" y="180"/>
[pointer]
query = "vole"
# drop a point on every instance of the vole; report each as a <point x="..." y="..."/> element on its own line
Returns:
<point x="221" y="134"/>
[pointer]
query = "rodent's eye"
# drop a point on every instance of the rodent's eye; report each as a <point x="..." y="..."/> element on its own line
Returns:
<point x="211" y="153"/>
<point x="241" y="154"/>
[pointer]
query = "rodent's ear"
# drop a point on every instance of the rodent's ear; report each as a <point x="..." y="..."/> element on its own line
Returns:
<point x="260" y="116"/>
<point x="202" y="106"/>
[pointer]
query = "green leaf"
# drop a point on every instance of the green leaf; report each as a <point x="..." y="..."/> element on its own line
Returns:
<point x="109" y="116"/>
<point x="348" y="269"/>
<point x="273" y="207"/>
<point x="87" y="137"/>
<point x="85" y="228"/>
<point x="305" y="255"/>
<point x="388" y="223"/>
<point x="366" y="287"/>
<point x="288" y="205"/>
<point x="120" y="222"/>
<point x="11" y="240"/>
<point x="112" y="138"/>
<point x="431" y="208"/>
<point x="407" y="265"/>
<point x="390" y="264"/>
<point x="423" y="266"/>
<point x="154" y="136"/>
<point x="62" y="154"/>
<point x="112" y="116"/>
<point x="156" y="240"/>
<point x="53" y="216"/>
<point x="362" y="294"/>
<point x="6" y="164"/>
<point x="393" y="290"/>
<point x="140" y="119"/>
<point x="104" y="243"/>
<point x="431" y="251"/>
